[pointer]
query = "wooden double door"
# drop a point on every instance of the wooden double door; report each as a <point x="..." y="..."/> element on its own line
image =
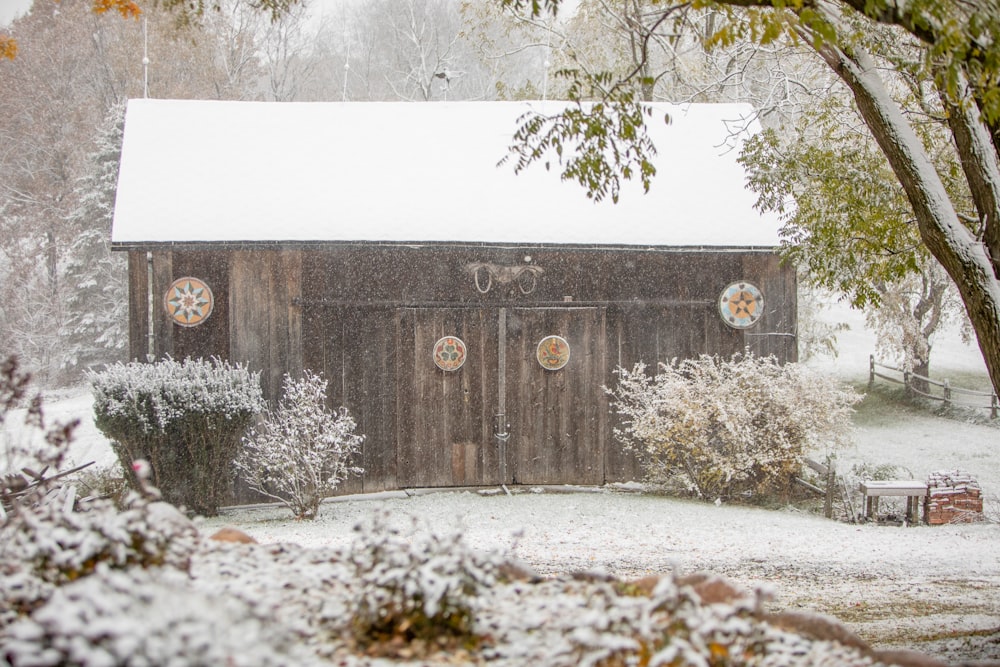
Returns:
<point x="501" y="417"/>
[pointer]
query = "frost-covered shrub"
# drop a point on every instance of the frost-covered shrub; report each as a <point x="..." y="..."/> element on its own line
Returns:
<point x="103" y="482"/>
<point x="185" y="417"/>
<point x="135" y="617"/>
<point x="50" y="537"/>
<point x="668" y="621"/>
<point x="687" y="631"/>
<point x="57" y="540"/>
<point x="418" y="587"/>
<point x="301" y="451"/>
<point x="729" y="428"/>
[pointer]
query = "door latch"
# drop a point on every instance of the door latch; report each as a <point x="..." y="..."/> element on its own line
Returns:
<point x="501" y="429"/>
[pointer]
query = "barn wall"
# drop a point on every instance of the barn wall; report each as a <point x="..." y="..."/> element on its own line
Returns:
<point x="149" y="281"/>
<point x="777" y="334"/>
<point x="353" y="344"/>
<point x="212" y="338"/>
<point x="138" y="305"/>
<point x="264" y="315"/>
<point x="658" y="305"/>
<point x="161" y="275"/>
<point x="365" y="316"/>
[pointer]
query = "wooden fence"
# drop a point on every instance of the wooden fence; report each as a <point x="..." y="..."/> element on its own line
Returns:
<point x="949" y="395"/>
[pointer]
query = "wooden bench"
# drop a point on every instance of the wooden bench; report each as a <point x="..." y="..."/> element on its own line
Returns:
<point x="913" y="490"/>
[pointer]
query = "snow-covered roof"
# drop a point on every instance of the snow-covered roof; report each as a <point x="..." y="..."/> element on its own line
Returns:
<point x="203" y="171"/>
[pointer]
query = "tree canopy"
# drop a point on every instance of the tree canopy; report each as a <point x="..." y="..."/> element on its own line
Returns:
<point x="185" y="11"/>
<point x="127" y="8"/>
<point x="952" y="53"/>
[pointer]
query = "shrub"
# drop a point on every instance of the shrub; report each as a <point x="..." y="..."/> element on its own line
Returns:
<point x="419" y="589"/>
<point x="186" y="418"/>
<point x="135" y="617"/>
<point x="53" y="539"/>
<point x="36" y="454"/>
<point x="300" y="453"/>
<point x="49" y="537"/>
<point x="108" y="482"/>
<point x="726" y="429"/>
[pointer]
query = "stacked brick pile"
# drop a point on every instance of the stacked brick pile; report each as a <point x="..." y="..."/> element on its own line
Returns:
<point x="953" y="496"/>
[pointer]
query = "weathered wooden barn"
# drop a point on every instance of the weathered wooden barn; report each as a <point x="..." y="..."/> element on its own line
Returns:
<point x="467" y="316"/>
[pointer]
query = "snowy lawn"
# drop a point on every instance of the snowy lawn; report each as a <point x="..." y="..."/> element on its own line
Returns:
<point x="934" y="589"/>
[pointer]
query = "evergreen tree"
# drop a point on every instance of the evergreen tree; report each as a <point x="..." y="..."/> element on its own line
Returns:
<point x="95" y="328"/>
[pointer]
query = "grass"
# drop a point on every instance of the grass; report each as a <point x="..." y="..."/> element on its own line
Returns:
<point x="885" y="404"/>
<point x="882" y="405"/>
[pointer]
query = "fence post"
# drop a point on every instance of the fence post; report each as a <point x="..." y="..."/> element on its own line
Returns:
<point x="871" y="371"/>
<point x="906" y="383"/>
<point x="831" y="485"/>
<point x="947" y="393"/>
<point x="993" y="406"/>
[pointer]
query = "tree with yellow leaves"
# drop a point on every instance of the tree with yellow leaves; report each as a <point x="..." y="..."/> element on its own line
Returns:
<point x="186" y="11"/>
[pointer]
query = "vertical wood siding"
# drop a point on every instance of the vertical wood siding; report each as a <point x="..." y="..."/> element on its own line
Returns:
<point x="138" y="305"/>
<point x="444" y="428"/>
<point x="557" y="417"/>
<point x="366" y="317"/>
<point x="265" y="316"/>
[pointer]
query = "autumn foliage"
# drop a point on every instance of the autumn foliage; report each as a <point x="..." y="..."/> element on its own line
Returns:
<point x="8" y="47"/>
<point x="126" y="8"/>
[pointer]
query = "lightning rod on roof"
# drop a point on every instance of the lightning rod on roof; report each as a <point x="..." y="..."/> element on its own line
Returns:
<point x="145" y="59"/>
<point x="347" y="64"/>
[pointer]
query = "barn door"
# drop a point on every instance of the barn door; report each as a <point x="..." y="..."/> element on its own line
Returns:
<point x="557" y="417"/>
<point x="445" y="424"/>
<point x="501" y="417"/>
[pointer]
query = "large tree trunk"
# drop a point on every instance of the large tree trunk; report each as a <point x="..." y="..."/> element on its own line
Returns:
<point x="978" y="156"/>
<point x="962" y="255"/>
<point x="921" y="371"/>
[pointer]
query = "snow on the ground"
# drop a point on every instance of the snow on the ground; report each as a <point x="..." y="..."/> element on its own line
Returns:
<point x="807" y="561"/>
<point x="64" y="406"/>
<point x="931" y="588"/>
<point x="949" y="354"/>
<point x="637" y="534"/>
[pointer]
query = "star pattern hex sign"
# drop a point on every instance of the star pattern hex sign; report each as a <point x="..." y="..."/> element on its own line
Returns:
<point x="188" y="301"/>
<point x="741" y="305"/>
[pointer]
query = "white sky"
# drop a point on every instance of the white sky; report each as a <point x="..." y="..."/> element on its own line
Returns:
<point x="11" y="9"/>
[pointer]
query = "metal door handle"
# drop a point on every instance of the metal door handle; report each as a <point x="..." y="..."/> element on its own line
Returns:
<point x="501" y="429"/>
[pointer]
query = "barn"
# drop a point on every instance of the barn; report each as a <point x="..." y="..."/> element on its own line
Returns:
<point x="466" y="315"/>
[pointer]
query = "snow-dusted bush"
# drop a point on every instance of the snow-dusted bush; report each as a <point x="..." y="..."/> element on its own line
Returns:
<point x="185" y="417"/>
<point x="135" y="617"/>
<point x="49" y="537"/>
<point x="302" y="450"/>
<point x="419" y="588"/>
<point x="40" y="446"/>
<point x="109" y="482"/>
<point x="669" y="625"/>
<point x="729" y="428"/>
<point x="54" y="539"/>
